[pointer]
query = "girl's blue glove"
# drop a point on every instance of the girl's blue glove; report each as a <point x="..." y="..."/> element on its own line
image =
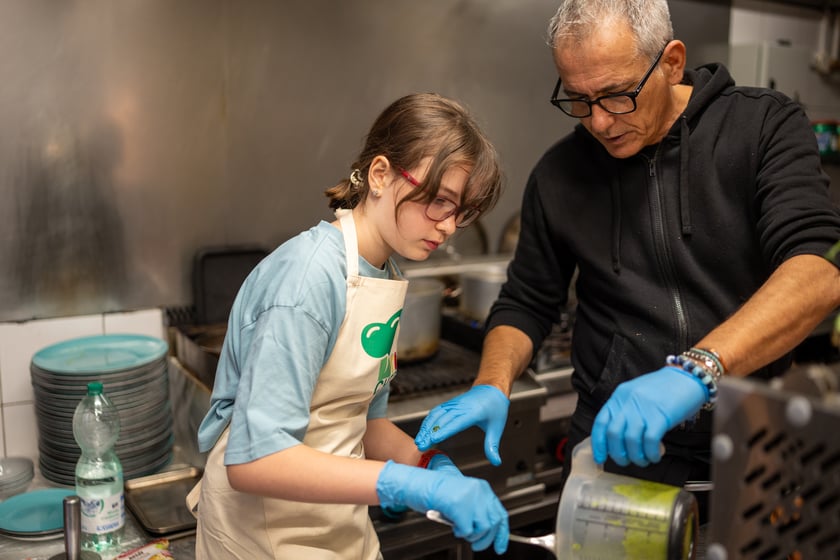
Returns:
<point x="443" y="464"/>
<point x="484" y="406"/>
<point x="630" y="426"/>
<point x="440" y="463"/>
<point x="476" y="513"/>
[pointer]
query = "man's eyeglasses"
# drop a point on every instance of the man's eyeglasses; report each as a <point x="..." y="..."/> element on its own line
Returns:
<point x="615" y="103"/>
<point x="440" y="209"/>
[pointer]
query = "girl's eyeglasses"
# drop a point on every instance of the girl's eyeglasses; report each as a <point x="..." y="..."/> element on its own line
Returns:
<point x="440" y="208"/>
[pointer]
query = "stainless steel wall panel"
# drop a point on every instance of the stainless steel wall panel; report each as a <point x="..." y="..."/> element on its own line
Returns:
<point x="137" y="131"/>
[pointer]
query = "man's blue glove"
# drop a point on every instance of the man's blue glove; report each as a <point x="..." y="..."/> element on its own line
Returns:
<point x="630" y="426"/>
<point x="484" y="406"/>
<point x="476" y="513"/>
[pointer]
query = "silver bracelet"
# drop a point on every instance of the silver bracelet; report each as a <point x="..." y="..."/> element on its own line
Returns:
<point x="707" y="358"/>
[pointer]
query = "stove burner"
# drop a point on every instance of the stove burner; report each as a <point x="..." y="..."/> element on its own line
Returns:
<point x="452" y="366"/>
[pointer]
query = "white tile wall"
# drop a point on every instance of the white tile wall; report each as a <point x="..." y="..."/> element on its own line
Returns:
<point x="21" y="429"/>
<point x="20" y="341"/>
<point x="147" y="321"/>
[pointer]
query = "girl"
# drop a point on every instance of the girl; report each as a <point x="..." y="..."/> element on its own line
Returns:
<point x="297" y="431"/>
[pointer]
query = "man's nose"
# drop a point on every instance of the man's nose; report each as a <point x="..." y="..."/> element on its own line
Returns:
<point x="600" y="119"/>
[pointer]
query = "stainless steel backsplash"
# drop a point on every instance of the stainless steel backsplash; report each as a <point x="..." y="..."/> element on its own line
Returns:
<point x="136" y="132"/>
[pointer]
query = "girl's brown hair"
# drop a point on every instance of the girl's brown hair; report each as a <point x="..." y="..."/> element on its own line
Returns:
<point x="424" y="125"/>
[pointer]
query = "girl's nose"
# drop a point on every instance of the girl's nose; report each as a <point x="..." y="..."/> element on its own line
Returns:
<point x="448" y="224"/>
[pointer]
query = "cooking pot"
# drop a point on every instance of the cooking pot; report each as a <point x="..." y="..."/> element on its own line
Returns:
<point x="605" y="516"/>
<point x="479" y="290"/>
<point x="419" y="336"/>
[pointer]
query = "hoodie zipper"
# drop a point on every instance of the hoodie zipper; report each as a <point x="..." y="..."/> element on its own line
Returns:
<point x="663" y="252"/>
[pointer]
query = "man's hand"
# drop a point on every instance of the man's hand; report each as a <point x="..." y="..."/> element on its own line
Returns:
<point x="484" y="406"/>
<point x="630" y="426"/>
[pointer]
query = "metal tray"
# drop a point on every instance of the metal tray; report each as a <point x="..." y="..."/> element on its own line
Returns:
<point x="218" y="273"/>
<point x="158" y="500"/>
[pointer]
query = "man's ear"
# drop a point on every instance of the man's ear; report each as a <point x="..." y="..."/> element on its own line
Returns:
<point x="673" y="61"/>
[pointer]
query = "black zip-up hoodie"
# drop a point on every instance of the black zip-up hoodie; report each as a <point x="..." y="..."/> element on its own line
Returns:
<point x="669" y="242"/>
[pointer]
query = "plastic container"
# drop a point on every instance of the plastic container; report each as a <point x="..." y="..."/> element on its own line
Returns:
<point x="99" y="473"/>
<point x="606" y="516"/>
<point x="480" y="288"/>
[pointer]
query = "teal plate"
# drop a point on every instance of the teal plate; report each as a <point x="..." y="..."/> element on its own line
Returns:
<point x="100" y="354"/>
<point x="35" y="514"/>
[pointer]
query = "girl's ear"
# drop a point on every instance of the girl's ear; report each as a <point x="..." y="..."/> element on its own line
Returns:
<point x="378" y="173"/>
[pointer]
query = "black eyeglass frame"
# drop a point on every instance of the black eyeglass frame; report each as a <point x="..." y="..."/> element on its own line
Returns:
<point x="632" y="95"/>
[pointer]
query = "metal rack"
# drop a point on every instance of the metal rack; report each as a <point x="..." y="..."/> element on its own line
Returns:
<point x="776" y="468"/>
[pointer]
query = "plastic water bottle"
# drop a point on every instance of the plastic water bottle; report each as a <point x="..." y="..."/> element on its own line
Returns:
<point x="99" y="474"/>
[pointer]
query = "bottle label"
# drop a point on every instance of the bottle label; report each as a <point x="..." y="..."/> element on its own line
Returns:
<point x="102" y="515"/>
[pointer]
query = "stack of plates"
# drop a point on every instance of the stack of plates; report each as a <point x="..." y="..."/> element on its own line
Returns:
<point x="15" y="475"/>
<point x="133" y="373"/>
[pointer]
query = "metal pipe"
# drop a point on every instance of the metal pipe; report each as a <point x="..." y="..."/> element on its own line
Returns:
<point x="72" y="527"/>
<point x="73" y="533"/>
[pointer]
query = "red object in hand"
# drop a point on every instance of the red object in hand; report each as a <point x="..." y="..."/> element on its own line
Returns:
<point x="560" y="450"/>
<point x="427" y="456"/>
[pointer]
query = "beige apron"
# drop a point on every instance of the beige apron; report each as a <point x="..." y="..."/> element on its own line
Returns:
<point x="234" y="525"/>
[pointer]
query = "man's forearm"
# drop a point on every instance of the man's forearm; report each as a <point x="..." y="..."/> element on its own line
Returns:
<point x="780" y="315"/>
<point x="506" y="353"/>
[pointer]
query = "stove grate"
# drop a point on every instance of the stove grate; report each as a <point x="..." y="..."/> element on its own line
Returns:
<point x="452" y="366"/>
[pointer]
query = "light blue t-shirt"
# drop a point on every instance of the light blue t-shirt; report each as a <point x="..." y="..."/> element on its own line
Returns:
<point x="282" y="328"/>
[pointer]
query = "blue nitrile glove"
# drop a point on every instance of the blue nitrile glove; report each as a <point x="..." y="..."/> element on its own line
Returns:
<point x="630" y="426"/>
<point x="484" y="406"/>
<point x="440" y="463"/>
<point x="476" y="513"/>
<point x="443" y="464"/>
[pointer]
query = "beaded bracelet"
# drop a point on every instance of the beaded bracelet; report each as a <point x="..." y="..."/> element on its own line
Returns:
<point x="700" y="371"/>
<point x="708" y="358"/>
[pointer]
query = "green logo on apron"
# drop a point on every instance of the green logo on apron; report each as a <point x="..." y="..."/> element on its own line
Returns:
<point x="377" y="341"/>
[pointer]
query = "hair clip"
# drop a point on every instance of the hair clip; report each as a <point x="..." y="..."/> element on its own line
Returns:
<point x="356" y="178"/>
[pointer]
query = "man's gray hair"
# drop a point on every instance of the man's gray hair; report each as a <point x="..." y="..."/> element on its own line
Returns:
<point x="650" y="21"/>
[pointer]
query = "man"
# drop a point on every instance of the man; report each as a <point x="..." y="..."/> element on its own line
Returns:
<point x="696" y="213"/>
